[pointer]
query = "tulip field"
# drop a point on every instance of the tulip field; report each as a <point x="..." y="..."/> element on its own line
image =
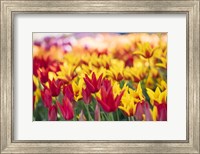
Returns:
<point x="100" y="77"/>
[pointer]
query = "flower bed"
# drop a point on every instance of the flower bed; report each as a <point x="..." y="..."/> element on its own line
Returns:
<point x="100" y="77"/>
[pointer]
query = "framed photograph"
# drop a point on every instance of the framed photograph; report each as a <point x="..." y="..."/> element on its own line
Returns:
<point x="100" y="76"/>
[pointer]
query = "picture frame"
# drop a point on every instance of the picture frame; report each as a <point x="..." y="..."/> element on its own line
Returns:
<point x="8" y="11"/>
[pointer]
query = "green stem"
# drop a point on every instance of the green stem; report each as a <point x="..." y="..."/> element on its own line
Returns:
<point x="111" y="116"/>
<point x="102" y="117"/>
<point x="117" y="115"/>
<point x="89" y="115"/>
<point x="105" y="116"/>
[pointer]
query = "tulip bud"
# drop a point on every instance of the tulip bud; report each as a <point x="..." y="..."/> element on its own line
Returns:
<point x="97" y="113"/>
<point x="52" y="113"/>
<point x="82" y="116"/>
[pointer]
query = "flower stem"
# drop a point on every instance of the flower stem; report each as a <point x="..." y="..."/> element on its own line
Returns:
<point x="90" y="117"/>
<point x="106" y="116"/>
<point x="87" y="109"/>
<point x="117" y="115"/>
<point x="111" y="116"/>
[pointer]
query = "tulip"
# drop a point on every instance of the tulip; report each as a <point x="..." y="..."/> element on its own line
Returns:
<point x="93" y="84"/>
<point x="163" y="63"/>
<point x="108" y="102"/>
<point x="66" y="108"/>
<point x="162" y="85"/>
<point x="145" y="50"/>
<point x="129" y="60"/>
<point x="36" y="83"/>
<point x="162" y="111"/>
<point x="82" y="116"/>
<point x="52" y="113"/>
<point x="68" y="91"/>
<point x="157" y="96"/>
<point x="55" y="87"/>
<point x="67" y="72"/>
<point x="37" y="95"/>
<point x="138" y="94"/>
<point x="139" y="114"/>
<point x="46" y="97"/>
<point x="143" y="111"/>
<point x="136" y="73"/>
<point x="128" y="105"/>
<point x="77" y="86"/>
<point x="86" y="95"/>
<point x="99" y="61"/>
<point x="116" y="70"/>
<point x="43" y="74"/>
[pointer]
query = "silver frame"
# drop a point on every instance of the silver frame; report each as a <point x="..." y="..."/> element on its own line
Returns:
<point x="9" y="8"/>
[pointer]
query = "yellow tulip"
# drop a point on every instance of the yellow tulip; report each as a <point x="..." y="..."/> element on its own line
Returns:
<point x="158" y="96"/>
<point x="138" y="95"/>
<point x="116" y="69"/>
<point x="36" y="93"/>
<point x="67" y="72"/>
<point x="130" y="99"/>
<point x="163" y="63"/>
<point x="145" y="50"/>
<point x="154" y="113"/>
<point x="77" y="86"/>
<point x="162" y="85"/>
<point x="128" y="105"/>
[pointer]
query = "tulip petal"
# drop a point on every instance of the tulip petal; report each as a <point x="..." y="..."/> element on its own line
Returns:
<point x="118" y="98"/>
<point x="104" y="106"/>
<point x="89" y="85"/>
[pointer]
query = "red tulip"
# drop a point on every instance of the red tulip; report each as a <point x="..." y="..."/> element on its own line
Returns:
<point x="46" y="63"/>
<point x="68" y="91"/>
<point x="147" y="112"/>
<point x="86" y="95"/>
<point x="119" y="77"/>
<point x="129" y="60"/>
<point x="139" y="112"/>
<point x="43" y="74"/>
<point x="52" y="113"/>
<point x="42" y="66"/>
<point x="162" y="111"/>
<point x="93" y="84"/>
<point x="66" y="108"/>
<point x="55" y="87"/>
<point x="143" y="109"/>
<point x="46" y="97"/>
<point x="107" y="101"/>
